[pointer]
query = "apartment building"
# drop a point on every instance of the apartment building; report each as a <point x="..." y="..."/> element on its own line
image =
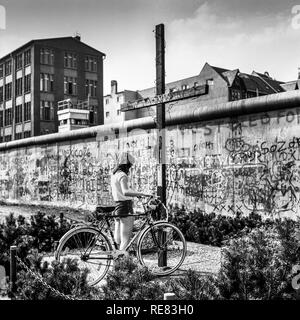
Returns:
<point x="39" y="74"/>
<point x="112" y="103"/>
<point x="222" y="85"/>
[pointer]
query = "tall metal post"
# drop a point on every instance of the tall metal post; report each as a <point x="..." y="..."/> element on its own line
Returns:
<point x="160" y="110"/>
<point x="160" y="120"/>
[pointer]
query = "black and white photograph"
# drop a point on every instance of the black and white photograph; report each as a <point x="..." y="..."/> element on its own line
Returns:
<point x="149" y="153"/>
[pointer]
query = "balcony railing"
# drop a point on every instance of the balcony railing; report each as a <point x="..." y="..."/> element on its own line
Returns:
<point x="67" y="104"/>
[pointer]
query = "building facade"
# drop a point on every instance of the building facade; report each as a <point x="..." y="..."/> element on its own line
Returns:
<point x="112" y="103"/>
<point x="39" y="74"/>
<point x="223" y="86"/>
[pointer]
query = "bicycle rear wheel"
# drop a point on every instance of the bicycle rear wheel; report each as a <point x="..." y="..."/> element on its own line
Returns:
<point x="90" y="248"/>
<point x="161" y="248"/>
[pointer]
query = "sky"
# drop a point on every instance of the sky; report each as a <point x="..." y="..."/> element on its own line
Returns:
<point x="245" y="34"/>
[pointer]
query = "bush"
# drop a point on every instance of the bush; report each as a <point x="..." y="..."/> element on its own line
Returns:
<point x="128" y="281"/>
<point x="40" y="232"/>
<point x="65" y="277"/>
<point x="259" y="265"/>
<point x="194" y="287"/>
<point x="212" y="229"/>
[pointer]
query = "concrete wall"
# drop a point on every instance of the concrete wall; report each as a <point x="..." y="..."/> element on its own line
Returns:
<point x="247" y="163"/>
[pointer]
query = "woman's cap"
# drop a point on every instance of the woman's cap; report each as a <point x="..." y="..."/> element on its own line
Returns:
<point x="126" y="158"/>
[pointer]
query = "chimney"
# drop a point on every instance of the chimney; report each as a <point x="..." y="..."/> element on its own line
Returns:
<point x="114" y="86"/>
<point x="77" y="36"/>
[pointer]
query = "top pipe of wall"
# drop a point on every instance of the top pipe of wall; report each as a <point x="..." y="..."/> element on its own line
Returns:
<point x="271" y="102"/>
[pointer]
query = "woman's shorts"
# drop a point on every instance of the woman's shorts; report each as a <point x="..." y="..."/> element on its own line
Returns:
<point x="123" y="208"/>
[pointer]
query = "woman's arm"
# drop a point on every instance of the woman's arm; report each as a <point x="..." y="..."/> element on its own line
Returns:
<point x="129" y="192"/>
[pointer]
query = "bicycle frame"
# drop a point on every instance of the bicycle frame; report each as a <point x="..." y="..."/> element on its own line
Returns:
<point x="146" y="223"/>
<point x="106" y="225"/>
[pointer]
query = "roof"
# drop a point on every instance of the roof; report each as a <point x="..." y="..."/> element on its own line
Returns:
<point x="254" y="83"/>
<point x="274" y="84"/>
<point x="31" y="42"/>
<point x="220" y="70"/>
<point x="291" y="85"/>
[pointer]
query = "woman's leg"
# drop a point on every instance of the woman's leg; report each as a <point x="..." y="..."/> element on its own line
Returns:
<point x="117" y="237"/>
<point x="126" y="226"/>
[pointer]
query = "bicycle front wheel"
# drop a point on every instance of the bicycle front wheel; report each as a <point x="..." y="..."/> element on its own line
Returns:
<point x="161" y="248"/>
<point x="90" y="248"/>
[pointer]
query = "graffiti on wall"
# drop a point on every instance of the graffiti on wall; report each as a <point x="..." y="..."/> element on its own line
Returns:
<point x="247" y="163"/>
<point x="244" y="164"/>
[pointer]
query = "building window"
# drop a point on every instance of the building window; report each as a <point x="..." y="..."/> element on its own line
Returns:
<point x="27" y="112"/>
<point x="27" y="134"/>
<point x="1" y="94"/>
<point x="251" y="95"/>
<point x="18" y="136"/>
<point x="90" y="64"/>
<point x="184" y="87"/>
<point x="27" y="83"/>
<point x="70" y="60"/>
<point x="106" y="101"/>
<point x="27" y="57"/>
<point x="93" y="115"/>
<point x="210" y="82"/>
<point x="107" y="114"/>
<point x="7" y="138"/>
<point x="1" y="71"/>
<point x="118" y="112"/>
<point x="46" y="110"/>
<point x="7" y="91"/>
<point x="8" y="117"/>
<point x="18" y="113"/>
<point x="91" y="88"/>
<point x="196" y="84"/>
<point x="47" y="56"/>
<point x="1" y="118"/>
<point x="19" y="61"/>
<point x="236" y="95"/>
<point x="8" y="67"/>
<point x="46" y="82"/>
<point x="70" y="85"/>
<point x="19" y="83"/>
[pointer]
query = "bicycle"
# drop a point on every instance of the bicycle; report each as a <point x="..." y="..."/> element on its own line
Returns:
<point x="160" y="245"/>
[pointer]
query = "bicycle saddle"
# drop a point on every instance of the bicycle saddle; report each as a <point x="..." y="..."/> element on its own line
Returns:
<point x="105" y="209"/>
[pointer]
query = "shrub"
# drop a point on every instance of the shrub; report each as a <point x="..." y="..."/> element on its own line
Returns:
<point x="46" y="230"/>
<point x="40" y="232"/>
<point x="194" y="287"/>
<point x="259" y="265"/>
<point x="128" y="281"/>
<point x="65" y="277"/>
<point x="212" y="229"/>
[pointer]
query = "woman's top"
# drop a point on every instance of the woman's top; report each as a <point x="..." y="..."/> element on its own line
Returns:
<point x="116" y="186"/>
